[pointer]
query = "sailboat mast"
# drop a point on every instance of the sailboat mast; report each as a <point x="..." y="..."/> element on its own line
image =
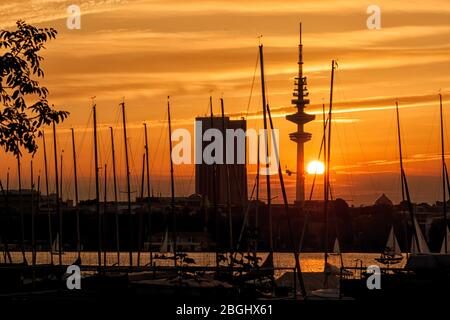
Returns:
<point x="113" y="152"/>
<point x="327" y="165"/>
<point x="256" y="226"/>
<point x="105" y="203"/>
<point x="58" y="209"/>
<point x="400" y="151"/>
<point x="172" y="186"/>
<point x="128" y="183"/>
<point x="22" y="222"/>
<point x="446" y="178"/>
<point x="75" y="179"/>
<point x="405" y="188"/>
<point x="6" y="253"/>
<point x="214" y="187"/>
<point x="50" y="235"/>
<point x="105" y="194"/>
<point x="142" y="176"/>
<point x="444" y="191"/>
<point x="227" y="170"/>
<point x="325" y="185"/>
<point x="324" y="144"/>
<point x="141" y="213"/>
<point x="38" y="200"/>
<point x="97" y="189"/>
<point x="258" y="164"/>
<point x="33" y="231"/>
<point x="286" y="208"/>
<point x="61" y="175"/>
<point x="266" y="145"/>
<point x="147" y="163"/>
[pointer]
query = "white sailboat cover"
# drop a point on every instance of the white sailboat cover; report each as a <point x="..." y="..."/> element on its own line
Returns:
<point x="165" y="244"/>
<point x="55" y="245"/>
<point x="336" y="248"/>
<point x="448" y="243"/>
<point x="392" y="246"/>
<point x="423" y="247"/>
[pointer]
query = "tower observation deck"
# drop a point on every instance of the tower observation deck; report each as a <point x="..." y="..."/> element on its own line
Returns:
<point x="300" y="118"/>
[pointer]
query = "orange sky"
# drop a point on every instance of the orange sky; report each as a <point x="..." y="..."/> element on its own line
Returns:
<point x="146" y="50"/>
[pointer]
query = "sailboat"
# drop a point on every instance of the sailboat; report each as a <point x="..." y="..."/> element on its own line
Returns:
<point x="391" y="253"/>
<point x="421" y="242"/>
<point x="55" y="249"/>
<point x="327" y="292"/>
<point x="166" y="247"/>
<point x="445" y="183"/>
<point x="165" y="243"/>
<point x="443" y="242"/>
<point x="268" y="263"/>
<point x="336" y="248"/>
<point x="425" y="275"/>
<point x="332" y="269"/>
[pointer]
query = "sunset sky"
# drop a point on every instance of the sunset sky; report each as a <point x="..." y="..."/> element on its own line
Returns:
<point x="145" y="50"/>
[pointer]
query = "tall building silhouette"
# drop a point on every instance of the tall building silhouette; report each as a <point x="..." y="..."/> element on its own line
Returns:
<point x="205" y="182"/>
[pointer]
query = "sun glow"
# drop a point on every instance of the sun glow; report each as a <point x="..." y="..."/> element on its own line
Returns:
<point x="315" y="167"/>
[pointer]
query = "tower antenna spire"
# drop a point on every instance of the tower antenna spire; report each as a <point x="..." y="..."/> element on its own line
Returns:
<point x="300" y="40"/>
<point x="300" y="118"/>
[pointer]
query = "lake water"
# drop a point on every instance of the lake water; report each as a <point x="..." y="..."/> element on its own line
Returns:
<point x="310" y="262"/>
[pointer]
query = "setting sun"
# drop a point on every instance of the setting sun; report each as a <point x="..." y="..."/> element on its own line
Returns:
<point x="315" y="167"/>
